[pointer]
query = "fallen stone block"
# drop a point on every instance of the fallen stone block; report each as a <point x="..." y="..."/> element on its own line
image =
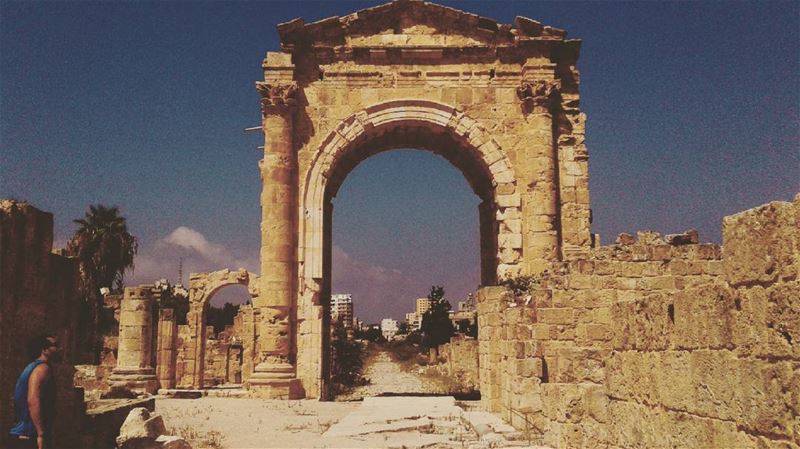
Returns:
<point x="690" y="237"/>
<point x="140" y="430"/>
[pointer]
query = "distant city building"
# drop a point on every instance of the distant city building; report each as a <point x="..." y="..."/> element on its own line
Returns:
<point x="414" y="321"/>
<point x="422" y="306"/>
<point x="342" y="309"/>
<point x="389" y="328"/>
<point x="468" y="305"/>
<point x="466" y="312"/>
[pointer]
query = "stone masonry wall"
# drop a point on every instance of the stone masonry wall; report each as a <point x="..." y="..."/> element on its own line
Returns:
<point x="647" y="344"/>
<point x="94" y="378"/>
<point x="716" y="365"/>
<point x="182" y="371"/>
<point x="38" y="293"/>
<point x="461" y="362"/>
<point x="229" y="355"/>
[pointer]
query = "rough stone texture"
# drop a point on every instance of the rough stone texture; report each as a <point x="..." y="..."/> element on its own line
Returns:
<point x="647" y="344"/>
<point x="136" y="349"/>
<point x="38" y="293"/>
<point x="460" y="362"/>
<point x="105" y="417"/>
<point x="202" y="287"/>
<point x="500" y="102"/>
<point x="166" y="348"/>
<point x="228" y="356"/>
<point x="143" y="429"/>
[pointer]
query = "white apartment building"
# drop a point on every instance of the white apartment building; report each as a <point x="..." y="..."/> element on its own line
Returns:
<point x="342" y="309"/>
<point x="389" y="328"/>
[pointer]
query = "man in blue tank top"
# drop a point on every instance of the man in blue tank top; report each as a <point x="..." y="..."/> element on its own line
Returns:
<point x="35" y="396"/>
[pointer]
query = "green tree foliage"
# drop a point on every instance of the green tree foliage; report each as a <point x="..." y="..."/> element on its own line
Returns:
<point x="347" y="360"/>
<point x="520" y="285"/>
<point x="468" y="328"/>
<point x="219" y="317"/>
<point x="104" y="249"/>
<point x="436" y="325"/>
<point x="402" y="328"/>
<point x="178" y="301"/>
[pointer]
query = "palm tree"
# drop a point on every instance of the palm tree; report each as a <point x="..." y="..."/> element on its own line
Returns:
<point x="104" y="249"/>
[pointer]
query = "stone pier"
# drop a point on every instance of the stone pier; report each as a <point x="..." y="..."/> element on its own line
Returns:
<point x="166" y="349"/>
<point x="134" y="370"/>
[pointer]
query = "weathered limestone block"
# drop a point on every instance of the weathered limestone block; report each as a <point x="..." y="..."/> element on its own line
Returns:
<point x="690" y="237"/>
<point x="645" y="324"/>
<point x="767" y="321"/>
<point x="761" y="244"/>
<point x="704" y="318"/>
<point x="140" y="430"/>
<point x="643" y="426"/>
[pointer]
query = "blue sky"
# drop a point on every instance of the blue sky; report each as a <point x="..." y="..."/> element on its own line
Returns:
<point x="692" y="115"/>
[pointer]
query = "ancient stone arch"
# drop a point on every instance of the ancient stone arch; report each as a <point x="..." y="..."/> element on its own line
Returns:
<point x="428" y="125"/>
<point x="500" y="102"/>
<point x="202" y="287"/>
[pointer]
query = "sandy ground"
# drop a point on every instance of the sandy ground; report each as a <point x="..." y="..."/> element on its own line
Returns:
<point x="387" y="376"/>
<point x="212" y="422"/>
<point x="250" y="423"/>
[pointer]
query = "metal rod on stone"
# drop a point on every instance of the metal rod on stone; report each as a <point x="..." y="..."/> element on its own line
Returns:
<point x="253" y="128"/>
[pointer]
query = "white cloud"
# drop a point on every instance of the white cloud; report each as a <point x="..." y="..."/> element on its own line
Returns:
<point x="162" y="258"/>
<point x="190" y="239"/>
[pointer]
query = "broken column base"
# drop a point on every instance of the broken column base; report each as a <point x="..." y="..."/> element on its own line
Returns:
<point x="276" y="389"/>
<point x="275" y="381"/>
<point x="137" y="380"/>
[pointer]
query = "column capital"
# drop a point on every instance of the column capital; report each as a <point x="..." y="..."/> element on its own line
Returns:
<point x="276" y="98"/>
<point x="537" y="95"/>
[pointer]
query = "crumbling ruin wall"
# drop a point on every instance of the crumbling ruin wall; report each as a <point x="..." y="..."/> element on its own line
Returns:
<point x="223" y="358"/>
<point x="717" y="365"/>
<point x="183" y="372"/>
<point x="228" y="355"/>
<point x="94" y="378"/>
<point x="648" y="344"/>
<point x="461" y="364"/>
<point x="38" y="293"/>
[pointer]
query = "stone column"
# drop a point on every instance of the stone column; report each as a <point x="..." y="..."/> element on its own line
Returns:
<point x="133" y="369"/>
<point x="539" y="178"/>
<point x="166" y="350"/>
<point x="275" y="376"/>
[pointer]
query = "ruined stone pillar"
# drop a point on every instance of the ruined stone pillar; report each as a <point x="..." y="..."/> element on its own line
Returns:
<point x="166" y="350"/>
<point x="539" y="178"/>
<point x="134" y="354"/>
<point x="275" y="376"/>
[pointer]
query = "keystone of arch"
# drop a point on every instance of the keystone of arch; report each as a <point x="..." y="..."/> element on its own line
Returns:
<point x="432" y="114"/>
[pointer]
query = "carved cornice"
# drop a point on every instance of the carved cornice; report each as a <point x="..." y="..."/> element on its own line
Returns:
<point x="276" y="96"/>
<point x="537" y="95"/>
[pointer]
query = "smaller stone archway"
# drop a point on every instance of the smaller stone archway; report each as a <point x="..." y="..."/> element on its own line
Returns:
<point x="202" y="287"/>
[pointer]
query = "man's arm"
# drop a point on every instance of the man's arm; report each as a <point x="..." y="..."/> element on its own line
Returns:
<point x="38" y="377"/>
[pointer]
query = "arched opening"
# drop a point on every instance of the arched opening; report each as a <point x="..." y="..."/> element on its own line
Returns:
<point x="399" y="124"/>
<point x="225" y="333"/>
<point x="217" y="343"/>
<point x="403" y="221"/>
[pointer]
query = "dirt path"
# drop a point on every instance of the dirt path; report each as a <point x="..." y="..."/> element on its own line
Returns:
<point x="388" y="377"/>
